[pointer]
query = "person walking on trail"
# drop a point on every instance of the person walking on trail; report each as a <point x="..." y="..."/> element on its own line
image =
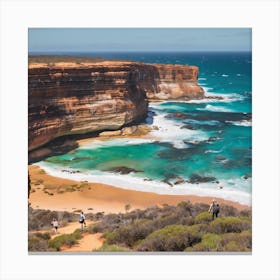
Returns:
<point x="214" y="209"/>
<point x="82" y="220"/>
<point x="55" y="224"/>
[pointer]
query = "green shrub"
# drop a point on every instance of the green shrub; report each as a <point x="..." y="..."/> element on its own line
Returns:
<point x="45" y="235"/>
<point x="242" y="241"/>
<point x="38" y="242"/>
<point x="246" y="213"/>
<point x="210" y="242"/>
<point x="229" y="224"/>
<point x="202" y="228"/>
<point x="112" y="248"/>
<point x="129" y="235"/>
<point x="65" y="240"/>
<point x="204" y="217"/>
<point x="227" y="210"/>
<point x="232" y="246"/>
<point x="171" y="238"/>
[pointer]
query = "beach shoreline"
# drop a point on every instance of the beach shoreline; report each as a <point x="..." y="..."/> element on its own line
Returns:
<point x="60" y="194"/>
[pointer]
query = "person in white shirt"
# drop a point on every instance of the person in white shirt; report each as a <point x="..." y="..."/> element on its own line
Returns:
<point x="55" y="224"/>
<point x="82" y="220"/>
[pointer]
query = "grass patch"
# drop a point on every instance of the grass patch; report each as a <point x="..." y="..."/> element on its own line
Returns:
<point x="65" y="240"/>
<point x="112" y="248"/>
<point x="171" y="238"/>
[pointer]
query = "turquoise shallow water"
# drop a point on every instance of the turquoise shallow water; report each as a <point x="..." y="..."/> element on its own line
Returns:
<point x="209" y="139"/>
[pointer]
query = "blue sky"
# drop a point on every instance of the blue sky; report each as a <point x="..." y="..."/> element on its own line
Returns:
<point x="138" y="39"/>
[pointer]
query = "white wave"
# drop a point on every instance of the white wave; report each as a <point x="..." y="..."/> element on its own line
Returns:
<point x="224" y="75"/>
<point x="212" y="152"/>
<point x="202" y="79"/>
<point x="212" y="122"/>
<point x="170" y="131"/>
<point x="130" y="182"/>
<point x="94" y="144"/>
<point x="238" y="75"/>
<point x="241" y="123"/>
<point x="215" y="109"/>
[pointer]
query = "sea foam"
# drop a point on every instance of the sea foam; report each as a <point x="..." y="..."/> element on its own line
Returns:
<point x="131" y="182"/>
<point x="170" y="131"/>
<point x="215" y="108"/>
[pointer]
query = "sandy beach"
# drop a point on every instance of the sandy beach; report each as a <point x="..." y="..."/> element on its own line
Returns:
<point x="49" y="192"/>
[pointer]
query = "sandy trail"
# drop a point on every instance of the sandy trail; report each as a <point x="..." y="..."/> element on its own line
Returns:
<point x="69" y="228"/>
<point x="88" y="243"/>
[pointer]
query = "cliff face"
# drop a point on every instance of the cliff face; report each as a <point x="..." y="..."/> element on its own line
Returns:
<point x="177" y="82"/>
<point x="71" y="98"/>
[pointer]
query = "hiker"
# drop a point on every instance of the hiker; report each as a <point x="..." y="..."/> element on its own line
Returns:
<point x="214" y="208"/>
<point x="55" y="224"/>
<point x="82" y="220"/>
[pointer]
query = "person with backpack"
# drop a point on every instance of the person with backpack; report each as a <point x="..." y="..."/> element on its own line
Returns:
<point x="54" y="223"/>
<point x="214" y="209"/>
<point x="82" y="220"/>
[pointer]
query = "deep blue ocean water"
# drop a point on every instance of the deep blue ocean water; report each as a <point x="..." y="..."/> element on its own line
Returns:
<point x="213" y="138"/>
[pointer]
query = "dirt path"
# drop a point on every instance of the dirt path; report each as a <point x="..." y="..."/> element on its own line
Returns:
<point x="69" y="228"/>
<point x="88" y="243"/>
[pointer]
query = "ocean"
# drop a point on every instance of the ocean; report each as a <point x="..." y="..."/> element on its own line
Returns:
<point x="204" y="150"/>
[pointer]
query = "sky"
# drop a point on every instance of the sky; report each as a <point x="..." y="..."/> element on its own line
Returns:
<point x="138" y="39"/>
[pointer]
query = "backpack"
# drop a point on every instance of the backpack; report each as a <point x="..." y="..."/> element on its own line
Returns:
<point x="216" y="208"/>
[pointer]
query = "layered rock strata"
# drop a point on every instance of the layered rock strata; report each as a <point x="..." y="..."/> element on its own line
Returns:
<point x="78" y="98"/>
<point x="176" y="82"/>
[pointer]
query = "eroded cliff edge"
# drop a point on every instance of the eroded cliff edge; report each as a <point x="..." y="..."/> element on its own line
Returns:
<point x="75" y="98"/>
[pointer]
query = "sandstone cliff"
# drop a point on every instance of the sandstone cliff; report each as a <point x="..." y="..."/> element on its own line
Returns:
<point x="177" y="82"/>
<point x="70" y="98"/>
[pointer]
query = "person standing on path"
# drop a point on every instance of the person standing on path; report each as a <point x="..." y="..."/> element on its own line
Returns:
<point x="55" y="224"/>
<point x="214" y="209"/>
<point x="82" y="220"/>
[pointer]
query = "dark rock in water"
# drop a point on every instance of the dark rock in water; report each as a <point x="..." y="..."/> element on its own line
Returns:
<point x="221" y="187"/>
<point x="71" y="171"/>
<point x="220" y="158"/>
<point x="179" y="181"/>
<point x="187" y="126"/>
<point x="246" y="176"/>
<point x="215" y="97"/>
<point x="212" y="139"/>
<point x="174" y="179"/>
<point x="123" y="170"/>
<point x="178" y="154"/>
<point x="178" y="115"/>
<point x="167" y="182"/>
<point x="195" y="178"/>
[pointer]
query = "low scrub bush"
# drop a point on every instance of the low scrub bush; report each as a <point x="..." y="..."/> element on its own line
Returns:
<point x="129" y="235"/>
<point x="65" y="240"/>
<point x="229" y="224"/>
<point x="112" y="248"/>
<point x="241" y="241"/>
<point x="37" y="244"/>
<point x="45" y="235"/>
<point x="209" y="242"/>
<point x="171" y="238"/>
<point x="204" y="217"/>
<point x="41" y="219"/>
<point x="246" y="213"/>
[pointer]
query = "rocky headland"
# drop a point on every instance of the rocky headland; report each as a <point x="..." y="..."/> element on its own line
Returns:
<point x="70" y="98"/>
